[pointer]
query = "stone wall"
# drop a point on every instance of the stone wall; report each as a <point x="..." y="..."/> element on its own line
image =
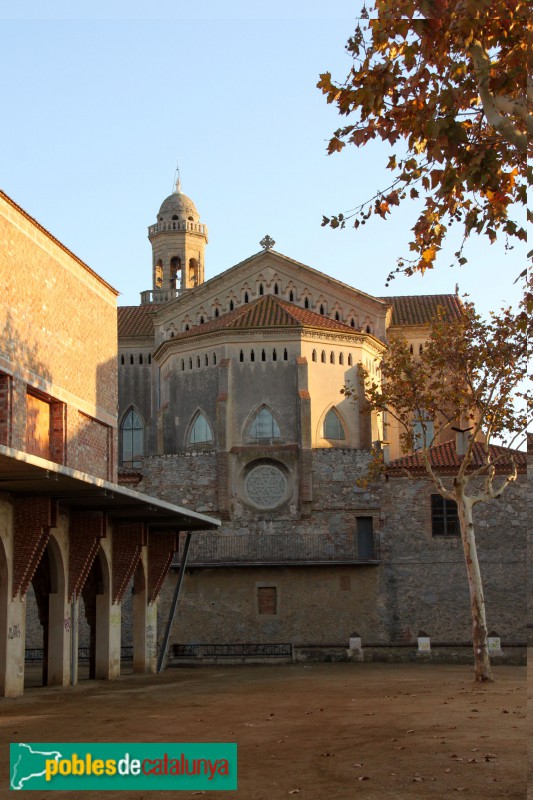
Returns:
<point x="419" y="583"/>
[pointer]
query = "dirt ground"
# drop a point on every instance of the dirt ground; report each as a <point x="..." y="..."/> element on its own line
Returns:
<point x="318" y="732"/>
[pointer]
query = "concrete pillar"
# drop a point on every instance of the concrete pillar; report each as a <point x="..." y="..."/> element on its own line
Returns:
<point x="58" y="640"/>
<point x="140" y="599"/>
<point x="13" y="647"/>
<point x="151" y="638"/>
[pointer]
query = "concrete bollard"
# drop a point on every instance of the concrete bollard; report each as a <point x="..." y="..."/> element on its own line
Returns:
<point x="355" y="651"/>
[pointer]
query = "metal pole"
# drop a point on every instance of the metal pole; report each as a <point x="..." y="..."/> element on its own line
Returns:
<point x="73" y="640"/>
<point x="171" y="614"/>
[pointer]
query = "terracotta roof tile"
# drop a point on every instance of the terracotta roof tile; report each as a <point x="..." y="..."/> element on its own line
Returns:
<point x="268" y="312"/>
<point x="136" y="320"/>
<point x="422" y="309"/>
<point x="444" y="458"/>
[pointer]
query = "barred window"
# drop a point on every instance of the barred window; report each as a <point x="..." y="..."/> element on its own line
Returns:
<point x="444" y="518"/>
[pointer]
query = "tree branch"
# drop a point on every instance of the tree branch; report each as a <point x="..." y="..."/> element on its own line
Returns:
<point x="496" y="120"/>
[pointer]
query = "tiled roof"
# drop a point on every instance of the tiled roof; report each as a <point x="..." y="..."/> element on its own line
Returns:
<point x="422" y="309"/>
<point x="136" y="320"/>
<point x="268" y="312"/>
<point x="444" y="458"/>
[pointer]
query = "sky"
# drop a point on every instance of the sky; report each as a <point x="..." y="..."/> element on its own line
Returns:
<point x="101" y="101"/>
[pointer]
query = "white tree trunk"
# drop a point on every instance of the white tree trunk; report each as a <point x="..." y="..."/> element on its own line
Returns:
<point x="477" y="602"/>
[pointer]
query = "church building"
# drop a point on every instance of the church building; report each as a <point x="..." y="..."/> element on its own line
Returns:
<point x="230" y="405"/>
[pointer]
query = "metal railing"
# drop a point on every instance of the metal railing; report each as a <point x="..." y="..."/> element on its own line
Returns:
<point x="254" y="549"/>
<point x="239" y="650"/>
<point x="35" y="654"/>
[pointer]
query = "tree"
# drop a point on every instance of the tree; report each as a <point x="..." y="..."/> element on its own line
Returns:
<point x="449" y="79"/>
<point x="465" y="379"/>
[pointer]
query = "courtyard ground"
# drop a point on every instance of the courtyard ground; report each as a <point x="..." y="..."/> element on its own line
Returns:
<point x="317" y="732"/>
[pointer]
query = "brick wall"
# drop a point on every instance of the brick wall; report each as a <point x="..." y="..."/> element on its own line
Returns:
<point x="59" y="337"/>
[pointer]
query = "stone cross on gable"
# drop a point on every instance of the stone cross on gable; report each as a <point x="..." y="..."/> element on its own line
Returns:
<point x="267" y="243"/>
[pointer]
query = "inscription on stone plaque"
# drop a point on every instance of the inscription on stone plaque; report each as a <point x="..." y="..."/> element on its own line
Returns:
<point x="265" y="486"/>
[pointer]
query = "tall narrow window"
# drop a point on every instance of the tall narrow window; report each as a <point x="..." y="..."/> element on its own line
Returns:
<point x="274" y="355"/>
<point x="263" y="356"/>
<point x="261" y="290"/>
<point x="306" y="302"/>
<point x="214" y="358"/>
<point x="337" y="316"/>
<point x="341" y="359"/>
<point x="313" y="357"/>
<point x="322" y="310"/>
<point x="291" y="296"/>
<point x="285" y="355"/>
<point x="423" y="430"/>
<point x="365" y="539"/>
<point x="333" y="428"/>
<point x="132" y="436"/>
<point x="241" y="356"/>
<point x="276" y="289"/>
<point x="246" y="297"/>
<point x="206" y="360"/>
<point x="323" y="356"/>
<point x="332" y="357"/>
<point x="200" y="432"/>
<point x="264" y="427"/>
<point x="252" y="356"/>
<point x="350" y="360"/>
<point x="231" y="305"/>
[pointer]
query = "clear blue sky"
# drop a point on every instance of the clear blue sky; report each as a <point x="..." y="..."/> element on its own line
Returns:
<point x="100" y="101"/>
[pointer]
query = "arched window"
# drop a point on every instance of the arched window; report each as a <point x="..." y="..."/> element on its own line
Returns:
<point x="264" y="427"/>
<point x="198" y="361"/>
<point x="190" y="363"/>
<point x="274" y="355"/>
<point x="252" y="356"/>
<point x="314" y="355"/>
<point x="285" y="355"/>
<point x="276" y="290"/>
<point x="337" y="316"/>
<point x="246" y="297"/>
<point x="368" y="329"/>
<point x="214" y="358"/>
<point x="200" y="432"/>
<point x="333" y="428"/>
<point x="140" y="358"/>
<point x="202" y="320"/>
<point x="187" y="327"/>
<point x="350" y="360"/>
<point x="341" y="359"/>
<point x="332" y="357"/>
<point x="122" y="360"/>
<point x="132" y="444"/>
<point x="241" y="356"/>
<point x="323" y="356"/>
<point x="149" y="358"/>
<point x="263" y="355"/>
<point x="261" y="290"/>
<point x="217" y="312"/>
<point x="306" y="302"/>
<point x="206" y="360"/>
<point x="131" y="359"/>
<point x="352" y="322"/>
<point x="322" y="310"/>
<point x="231" y="305"/>
<point x="291" y="296"/>
<point x="182" y="365"/>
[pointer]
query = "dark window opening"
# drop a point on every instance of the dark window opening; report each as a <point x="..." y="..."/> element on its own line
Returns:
<point x="350" y="360"/>
<point x="246" y="297"/>
<point x="365" y="538"/>
<point x="306" y="302"/>
<point x="352" y="322"/>
<point x="314" y="355"/>
<point x="216" y="312"/>
<point x="444" y="518"/>
<point x="122" y="360"/>
<point x="263" y="356"/>
<point x="276" y="290"/>
<point x="252" y="356"/>
<point x="131" y="359"/>
<point x="149" y="358"/>
<point x="214" y="358"/>
<point x="260" y="288"/>
<point x="231" y="305"/>
<point x="274" y="355"/>
<point x="291" y="296"/>
<point x="285" y="355"/>
<point x="241" y="356"/>
<point x="337" y="316"/>
<point x="322" y="310"/>
<point x="140" y="358"/>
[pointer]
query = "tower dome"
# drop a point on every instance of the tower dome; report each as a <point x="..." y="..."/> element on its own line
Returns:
<point x="178" y="205"/>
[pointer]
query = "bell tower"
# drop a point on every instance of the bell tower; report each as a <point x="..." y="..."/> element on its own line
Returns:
<point x="178" y="241"/>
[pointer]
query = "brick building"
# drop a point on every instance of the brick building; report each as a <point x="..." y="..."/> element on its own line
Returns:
<point x="71" y="539"/>
<point x="230" y="403"/>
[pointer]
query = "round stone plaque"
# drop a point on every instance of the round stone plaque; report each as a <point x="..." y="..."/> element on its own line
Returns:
<point x="265" y="486"/>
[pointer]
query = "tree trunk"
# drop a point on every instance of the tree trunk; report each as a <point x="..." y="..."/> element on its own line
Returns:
<point x="477" y="602"/>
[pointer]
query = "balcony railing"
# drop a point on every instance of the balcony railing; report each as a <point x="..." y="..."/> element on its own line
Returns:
<point x="176" y="225"/>
<point x="214" y="550"/>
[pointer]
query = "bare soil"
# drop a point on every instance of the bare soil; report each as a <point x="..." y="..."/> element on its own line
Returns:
<point x="318" y="732"/>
